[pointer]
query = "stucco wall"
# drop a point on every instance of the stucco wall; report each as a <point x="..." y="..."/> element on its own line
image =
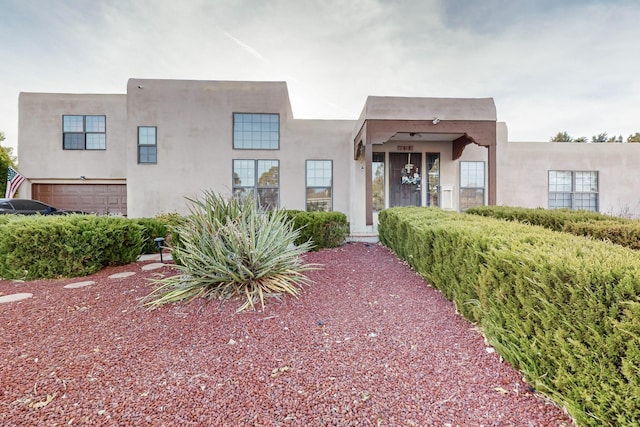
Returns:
<point x="41" y="156"/>
<point x="523" y="169"/>
<point x="194" y="122"/>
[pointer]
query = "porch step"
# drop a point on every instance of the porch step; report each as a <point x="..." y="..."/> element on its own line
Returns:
<point x="365" y="238"/>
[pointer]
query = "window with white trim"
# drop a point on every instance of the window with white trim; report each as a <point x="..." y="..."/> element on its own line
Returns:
<point x="147" y="145"/>
<point x="573" y="190"/>
<point x="319" y="176"/>
<point x="259" y="179"/>
<point x="84" y="132"/>
<point x="472" y="184"/>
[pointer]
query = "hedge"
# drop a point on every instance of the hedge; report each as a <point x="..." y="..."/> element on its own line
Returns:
<point x="33" y="247"/>
<point x="151" y="229"/>
<point x="323" y="229"/>
<point x="554" y="219"/>
<point x="621" y="231"/>
<point x="562" y="309"/>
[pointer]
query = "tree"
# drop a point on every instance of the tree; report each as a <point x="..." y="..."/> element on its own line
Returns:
<point x="7" y="152"/>
<point x="6" y="159"/>
<point x="634" y="138"/>
<point x="601" y="137"/>
<point x="615" y="139"/>
<point x="562" y="137"/>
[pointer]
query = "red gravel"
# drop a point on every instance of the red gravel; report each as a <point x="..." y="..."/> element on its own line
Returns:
<point x="368" y="344"/>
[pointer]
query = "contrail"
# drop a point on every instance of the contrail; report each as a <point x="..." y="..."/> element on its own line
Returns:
<point x="243" y="45"/>
<point x="288" y="76"/>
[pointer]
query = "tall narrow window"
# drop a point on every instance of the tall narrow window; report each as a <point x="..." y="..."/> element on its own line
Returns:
<point x="256" y="131"/>
<point x="573" y="190"/>
<point x="84" y="132"/>
<point x="377" y="182"/>
<point x="147" y="144"/>
<point x="319" y="175"/>
<point x="259" y="179"/>
<point x="471" y="185"/>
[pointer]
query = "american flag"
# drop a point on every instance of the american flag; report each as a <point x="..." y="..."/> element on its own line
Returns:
<point x="14" y="179"/>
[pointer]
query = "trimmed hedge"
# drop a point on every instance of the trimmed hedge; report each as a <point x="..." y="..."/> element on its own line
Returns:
<point x="625" y="234"/>
<point x="553" y="219"/>
<point x="562" y="309"/>
<point x="33" y="247"/>
<point x="323" y="229"/>
<point x="151" y="228"/>
<point x="620" y="231"/>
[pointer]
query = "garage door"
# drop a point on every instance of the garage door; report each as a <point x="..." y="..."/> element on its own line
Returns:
<point x="95" y="198"/>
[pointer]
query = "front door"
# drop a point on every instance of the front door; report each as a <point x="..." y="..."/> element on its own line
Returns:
<point x="405" y="179"/>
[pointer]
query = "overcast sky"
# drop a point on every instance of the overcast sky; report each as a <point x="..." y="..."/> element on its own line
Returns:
<point x="550" y="65"/>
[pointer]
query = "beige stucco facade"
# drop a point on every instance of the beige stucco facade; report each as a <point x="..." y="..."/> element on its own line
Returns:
<point x="195" y="142"/>
<point x="42" y="159"/>
<point x="195" y="151"/>
<point x="523" y="169"/>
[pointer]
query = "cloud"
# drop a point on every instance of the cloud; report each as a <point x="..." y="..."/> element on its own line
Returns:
<point x="550" y="65"/>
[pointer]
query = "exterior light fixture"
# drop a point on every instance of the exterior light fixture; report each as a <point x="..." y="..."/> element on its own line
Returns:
<point x="436" y="121"/>
<point x="159" y="243"/>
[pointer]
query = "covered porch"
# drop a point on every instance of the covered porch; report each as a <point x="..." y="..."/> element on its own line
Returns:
<point x="415" y="138"/>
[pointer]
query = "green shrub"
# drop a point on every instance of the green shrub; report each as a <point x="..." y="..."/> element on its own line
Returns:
<point x="170" y="219"/>
<point x="323" y="229"/>
<point x="553" y="219"/>
<point x="562" y="309"/>
<point x="620" y="231"/>
<point x="171" y="222"/>
<point x="68" y="246"/>
<point x="151" y="229"/>
<point x="231" y="248"/>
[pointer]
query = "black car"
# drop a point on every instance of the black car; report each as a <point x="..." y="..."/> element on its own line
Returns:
<point x="30" y="207"/>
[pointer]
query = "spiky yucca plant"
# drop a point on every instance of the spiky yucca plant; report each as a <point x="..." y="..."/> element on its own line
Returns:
<point x="233" y="248"/>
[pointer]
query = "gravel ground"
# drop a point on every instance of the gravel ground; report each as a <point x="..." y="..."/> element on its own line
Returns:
<point x="368" y="344"/>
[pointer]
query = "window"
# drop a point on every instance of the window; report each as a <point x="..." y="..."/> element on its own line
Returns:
<point x="471" y="185"/>
<point x="256" y="131"/>
<point x="84" y="132"/>
<point x="377" y="182"/>
<point x="573" y="190"/>
<point x="259" y="179"/>
<point x="147" y="147"/>
<point x="319" y="185"/>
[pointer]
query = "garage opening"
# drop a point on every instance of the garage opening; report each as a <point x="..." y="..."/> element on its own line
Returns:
<point x="95" y="198"/>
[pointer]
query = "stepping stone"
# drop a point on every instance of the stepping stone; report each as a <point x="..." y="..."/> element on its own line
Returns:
<point x="122" y="275"/>
<point x="152" y="266"/>
<point x="79" y="284"/>
<point x="14" y="297"/>
<point x="155" y="257"/>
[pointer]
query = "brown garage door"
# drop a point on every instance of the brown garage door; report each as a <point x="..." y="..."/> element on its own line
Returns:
<point x="95" y="198"/>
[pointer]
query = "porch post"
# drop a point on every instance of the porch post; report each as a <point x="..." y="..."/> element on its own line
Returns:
<point x="492" y="162"/>
<point x="368" y="193"/>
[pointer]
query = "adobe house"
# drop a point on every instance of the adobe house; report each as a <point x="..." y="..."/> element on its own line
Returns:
<point x="141" y="153"/>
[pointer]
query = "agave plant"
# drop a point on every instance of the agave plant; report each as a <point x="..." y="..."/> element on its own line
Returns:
<point x="233" y="248"/>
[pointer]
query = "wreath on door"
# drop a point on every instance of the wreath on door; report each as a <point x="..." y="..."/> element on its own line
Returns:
<point x="410" y="173"/>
